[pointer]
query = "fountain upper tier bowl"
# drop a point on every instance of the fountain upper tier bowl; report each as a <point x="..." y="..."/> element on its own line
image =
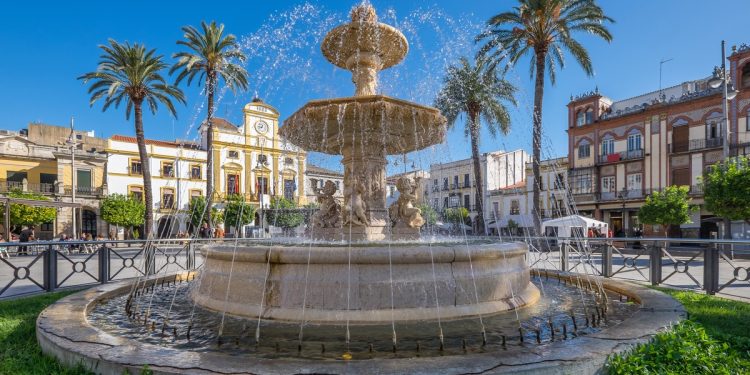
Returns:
<point x="365" y="283"/>
<point x="377" y="121"/>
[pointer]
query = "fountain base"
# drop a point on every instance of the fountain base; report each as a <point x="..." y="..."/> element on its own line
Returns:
<point x="365" y="283"/>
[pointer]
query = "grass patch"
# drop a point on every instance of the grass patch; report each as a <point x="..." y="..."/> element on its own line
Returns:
<point x="715" y="340"/>
<point x="19" y="351"/>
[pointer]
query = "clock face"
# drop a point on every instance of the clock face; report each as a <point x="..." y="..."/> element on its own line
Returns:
<point x="261" y="126"/>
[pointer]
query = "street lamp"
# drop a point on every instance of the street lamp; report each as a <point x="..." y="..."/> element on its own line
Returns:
<point x="73" y="143"/>
<point x="721" y="78"/>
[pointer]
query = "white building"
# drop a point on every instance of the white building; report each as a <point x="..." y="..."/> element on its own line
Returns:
<point x="452" y="184"/>
<point x="178" y="173"/>
<point x="515" y="202"/>
<point x="316" y="177"/>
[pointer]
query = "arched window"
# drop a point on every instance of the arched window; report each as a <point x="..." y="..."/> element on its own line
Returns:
<point x="608" y="145"/>
<point x="746" y="76"/>
<point x="580" y="118"/>
<point x="589" y="116"/>
<point x="584" y="149"/>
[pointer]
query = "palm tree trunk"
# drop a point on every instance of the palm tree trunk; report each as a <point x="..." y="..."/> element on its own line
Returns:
<point x="145" y="169"/>
<point x="478" y="198"/>
<point x="210" y="86"/>
<point x="536" y="143"/>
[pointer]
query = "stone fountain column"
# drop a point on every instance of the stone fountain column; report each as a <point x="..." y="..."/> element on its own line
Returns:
<point x="364" y="175"/>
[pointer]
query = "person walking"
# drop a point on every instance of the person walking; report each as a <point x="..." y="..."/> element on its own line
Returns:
<point x="205" y="231"/>
<point x="26" y="236"/>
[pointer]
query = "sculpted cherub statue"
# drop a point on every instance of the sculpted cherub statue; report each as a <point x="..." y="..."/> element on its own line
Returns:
<point x="329" y="213"/>
<point x="403" y="209"/>
<point x="355" y="213"/>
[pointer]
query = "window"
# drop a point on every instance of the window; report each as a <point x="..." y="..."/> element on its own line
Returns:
<point x="580" y="118"/>
<point x="455" y="200"/>
<point x="608" y="184"/>
<point x="263" y="159"/>
<point x="467" y="183"/>
<point x="713" y="130"/>
<point x="435" y="203"/>
<point x="745" y="76"/>
<point x="167" y="198"/>
<point x="455" y="182"/>
<point x="196" y="172"/>
<point x="232" y="154"/>
<point x="167" y="169"/>
<point x="495" y="209"/>
<point x="515" y="207"/>
<point x="634" y="142"/>
<point x="634" y="181"/>
<point x="338" y="185"/>
<point x="560" y="181"/>
<point x="584" y="150"/>
<point x="195" y="193"/>
<point x="540" y="182"/>
<point x="83" y="181"/>
<point x="467" y="202"/>
<point x="747" y="117"/>
<point x="435" y="182"/>
<point x="47" y="227"/>
<point x="608" y="146"/>
<point x="233" y="184"/>
<point x="47" y="182"/>
<point x="445" y="202"/>
<point x="583" y="184"/>
<point x="136" y="192"/>
<point x="262" y="185"/>
<point x="289" y="187"/>
<point x="445" y="183"/>
<point x="136" y="167"/>
<point x="288" y="161"/>
<point x="589" y="116"/>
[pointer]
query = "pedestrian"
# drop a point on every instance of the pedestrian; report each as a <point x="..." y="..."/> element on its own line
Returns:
<point x="205" y="231"/>
<point x="590" y="233"/>
<point x="26" y="236"/>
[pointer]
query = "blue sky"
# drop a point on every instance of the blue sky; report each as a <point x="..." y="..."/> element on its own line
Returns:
<point x="46" y="45"/>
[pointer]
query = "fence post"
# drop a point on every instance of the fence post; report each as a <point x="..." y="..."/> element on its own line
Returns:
<point x="654" y="262"/>
<point x="190" y="264"/>
<point x="150" y="257"/>
<point x="607" y="259"/>
<point x="711" y="269"/>
<point x="564" y="256"/>
<point x="49" y="263"/>
<point x="103" y="264"/>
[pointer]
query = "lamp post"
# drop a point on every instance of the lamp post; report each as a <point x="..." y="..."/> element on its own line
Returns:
<point x="721" y="78"/>
<point x="73" y="143"/>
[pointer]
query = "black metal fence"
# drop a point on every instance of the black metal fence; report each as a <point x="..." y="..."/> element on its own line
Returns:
<point x="712" y="265"/>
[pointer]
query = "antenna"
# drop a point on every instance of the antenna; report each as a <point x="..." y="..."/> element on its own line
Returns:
<point x="661" y="64"/>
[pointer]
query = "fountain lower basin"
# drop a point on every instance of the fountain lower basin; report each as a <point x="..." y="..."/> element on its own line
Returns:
<point x="366" y="284"/>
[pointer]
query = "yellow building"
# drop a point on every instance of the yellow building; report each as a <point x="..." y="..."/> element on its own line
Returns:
<point x="253" y="160"/>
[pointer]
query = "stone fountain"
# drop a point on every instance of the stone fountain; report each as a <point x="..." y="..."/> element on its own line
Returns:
<point x="365" y="129"/>
<point x="363" y="276"/>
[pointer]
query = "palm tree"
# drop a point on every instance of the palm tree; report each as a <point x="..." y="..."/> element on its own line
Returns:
<point x="132" y="73"/>
<point x="543" y="29"/>
<point x="479" y="92"/>
<point x="211" y="57"/>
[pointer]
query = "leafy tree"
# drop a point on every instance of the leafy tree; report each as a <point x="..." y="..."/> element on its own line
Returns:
<point x="543" y="29"/>
<point x="133" y="73"/>
<point x="284" y="214"/>
<point x="667" y="208"/>
<point x="211" y="57"/>
<point x="726" y="189"/>
<point x="123" y="211"/>
<point x="456" y="215"/>
<point x="478" y="92"/>
<point x="21" y="214"/>
<point x="237" y="212"/>
<point x="429" y="214"/>
<point x="512" y="227"/>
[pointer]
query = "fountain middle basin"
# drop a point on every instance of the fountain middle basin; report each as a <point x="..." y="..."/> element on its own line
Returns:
<point x="365" y="283"/>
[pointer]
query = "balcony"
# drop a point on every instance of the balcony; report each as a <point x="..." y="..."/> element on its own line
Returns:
<point x="435" y="188"/>
<point x="454" y="186"/>
<point x="696" y="190"/>
<point x="445" y="187"/>
<point x="619" y="156"/>
<point x="696" y="144"/>
<point x="609" y="196"/>
<point x="84" y="190"/>
<point x="11" y="185"/>
<point x="43" y="188"/>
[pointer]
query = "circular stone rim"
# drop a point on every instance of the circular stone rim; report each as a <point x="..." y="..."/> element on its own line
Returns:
<point x="64" y="331"/>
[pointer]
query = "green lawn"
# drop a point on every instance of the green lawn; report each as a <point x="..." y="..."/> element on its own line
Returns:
<point x="19" y="351"/>
<point x="714" y="340"/>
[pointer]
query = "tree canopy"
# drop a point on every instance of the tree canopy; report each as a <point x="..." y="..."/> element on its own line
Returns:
<point x="428" y="214"/>
<point x="237" y="212"/>
<point x="284" y="214"/>
<point x="21" y="214"/>
<point x="666" y="208"/>
<point x="121" y="210"/>
<point x="726" y="189"/>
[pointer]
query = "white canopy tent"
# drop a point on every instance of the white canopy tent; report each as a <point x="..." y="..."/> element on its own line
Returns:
<point x="573" y="226"/>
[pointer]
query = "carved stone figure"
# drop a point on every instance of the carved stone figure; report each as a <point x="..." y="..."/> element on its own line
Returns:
<point x="403" y="211"/>
<point x="355" y="212"/>
<point x="329" y="213"/>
